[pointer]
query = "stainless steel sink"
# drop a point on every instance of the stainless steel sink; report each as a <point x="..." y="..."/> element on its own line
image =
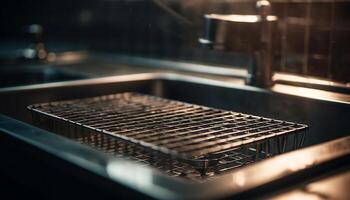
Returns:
<point x="328" y="119"/>
<point x="26" y="75"/>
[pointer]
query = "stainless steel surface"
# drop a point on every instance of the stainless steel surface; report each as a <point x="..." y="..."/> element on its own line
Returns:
<point x="97" y="64"/>
<point x="329" y="186"/>
<point x="34" y="74"/>
<point x="200" y="136"/>
<point x="326" y="116"/>
<point x="311" y="82"/>
<point x="306" y="105"/>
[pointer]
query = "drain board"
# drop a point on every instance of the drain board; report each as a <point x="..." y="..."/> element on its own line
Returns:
<point x="169" y="134"/>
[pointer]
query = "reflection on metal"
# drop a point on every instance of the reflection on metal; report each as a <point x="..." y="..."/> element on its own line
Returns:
<point x="307" y="80"/>
<point x="311" y="93"/>
<point x="70" y="57"/>
<point x="239" y="179"/>
<point x="312" y="82"/>
<point x="136" y="177"/>
<point x="280" y="166"/>
<point x="152" y="64"/>
<point x="332" y="187"/>
<point x="240" y="18"/>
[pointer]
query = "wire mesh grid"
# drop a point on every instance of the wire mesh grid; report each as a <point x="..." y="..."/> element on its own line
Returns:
<point x="178" y="138"/>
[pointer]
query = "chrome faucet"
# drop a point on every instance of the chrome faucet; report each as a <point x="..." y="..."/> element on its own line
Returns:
<point x="261" y="24"/>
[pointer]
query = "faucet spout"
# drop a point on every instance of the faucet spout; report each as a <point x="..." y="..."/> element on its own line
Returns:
<point x="261" y="25"/>
<point x="262" y="75"/>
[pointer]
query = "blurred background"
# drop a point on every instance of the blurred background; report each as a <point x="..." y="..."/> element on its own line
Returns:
<point x="311" y="38"/>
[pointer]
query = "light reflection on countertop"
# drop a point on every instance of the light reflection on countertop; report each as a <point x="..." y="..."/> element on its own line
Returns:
<point x="332" y="187"/>
<point x="311" y="93"/>
<point x="281" y="166"/>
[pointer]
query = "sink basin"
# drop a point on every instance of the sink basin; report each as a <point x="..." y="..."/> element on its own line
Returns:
<point x="17" y="76"/>
<point x="327" y="120"/>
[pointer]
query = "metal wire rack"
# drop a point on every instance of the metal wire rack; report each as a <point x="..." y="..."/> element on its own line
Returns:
<point x="179" y="138"/>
